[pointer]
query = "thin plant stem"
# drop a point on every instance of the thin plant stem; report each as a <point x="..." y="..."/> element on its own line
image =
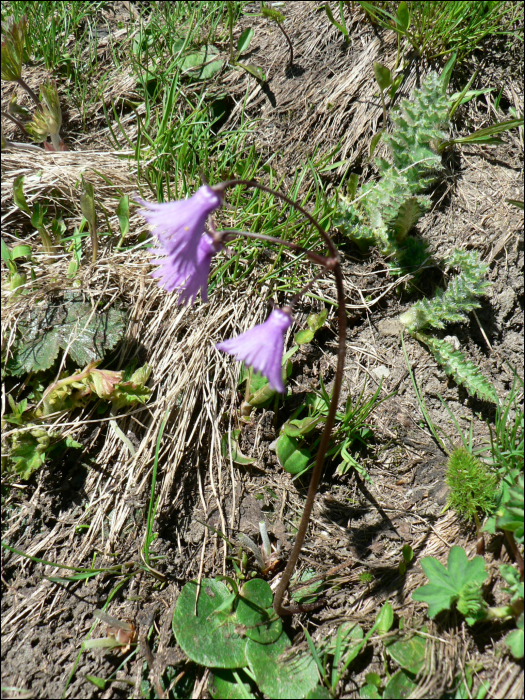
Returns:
<point x="314" y="257"/>
<point x="381" y="92"/>
<point x="30" y="92"/>
<point x="230" y="24"/>
<point x="17" y="122"/>
<point x="289" y="42"/>
<point x="333" y="264"/>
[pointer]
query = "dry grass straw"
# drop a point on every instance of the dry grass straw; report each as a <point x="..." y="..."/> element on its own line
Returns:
<point x="190" y="378"/>
<point x="330" y="94"/>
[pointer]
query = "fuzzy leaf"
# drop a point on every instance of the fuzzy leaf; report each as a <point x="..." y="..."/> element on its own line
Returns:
<point x="462" y="370"/>
<point x="66" y="321"/>
<point x="409" y="214"/>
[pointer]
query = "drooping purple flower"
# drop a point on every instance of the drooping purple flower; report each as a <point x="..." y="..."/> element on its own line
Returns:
<point x="195" y="275"/>
<point x="262" y="347"/>
<point x="180" y="225"/>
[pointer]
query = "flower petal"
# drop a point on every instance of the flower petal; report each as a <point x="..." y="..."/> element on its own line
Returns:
<point x="262" y="347"/>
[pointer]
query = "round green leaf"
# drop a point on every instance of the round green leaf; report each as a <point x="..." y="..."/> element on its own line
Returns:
<point x="225" y="686"/>
<point x="399" y="686"/>
<point x="255" y="612"/>
<point x="279" y="675"/>
<point x="408" y="652"/>
<point x="210" y="637"/>
<point x="259" y="592"/>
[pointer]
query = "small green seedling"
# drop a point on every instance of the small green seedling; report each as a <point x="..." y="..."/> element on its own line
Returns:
<point x="278" y="18"/>
<point x="408" y="555"/>
<point x="460" y="583"/>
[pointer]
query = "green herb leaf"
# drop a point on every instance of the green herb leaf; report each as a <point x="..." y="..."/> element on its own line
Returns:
<point x="448" y="584"/>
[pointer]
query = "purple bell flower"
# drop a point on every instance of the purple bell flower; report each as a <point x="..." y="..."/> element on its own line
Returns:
<point x="195" y="275"/>
<point x="179" y="226"/>
<point x="262" y="347"/>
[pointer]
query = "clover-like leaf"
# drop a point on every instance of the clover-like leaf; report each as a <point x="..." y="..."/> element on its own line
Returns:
<point x="281" y="675"/>
<point x="447" y="584"/>
<point x="209" y="637"/>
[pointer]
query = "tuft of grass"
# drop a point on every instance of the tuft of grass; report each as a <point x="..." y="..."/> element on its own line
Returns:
<point x="434" y="29"/>
<point x="472" y="485"/>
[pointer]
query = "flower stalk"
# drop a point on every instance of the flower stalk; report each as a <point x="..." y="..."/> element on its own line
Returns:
<point x="332" y="262"/>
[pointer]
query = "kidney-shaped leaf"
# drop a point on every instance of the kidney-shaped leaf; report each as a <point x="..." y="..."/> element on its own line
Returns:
<point x="209" y="637"/>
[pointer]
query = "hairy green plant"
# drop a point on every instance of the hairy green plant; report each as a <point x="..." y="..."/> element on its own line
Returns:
<point x="384" y="212"/>
<point x="460" y="297"/>
<point x="451" y="306"/>
<point x="472" y="488"/>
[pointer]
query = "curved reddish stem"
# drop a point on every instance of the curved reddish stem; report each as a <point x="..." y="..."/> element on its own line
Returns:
<point x="333" y="263"/>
